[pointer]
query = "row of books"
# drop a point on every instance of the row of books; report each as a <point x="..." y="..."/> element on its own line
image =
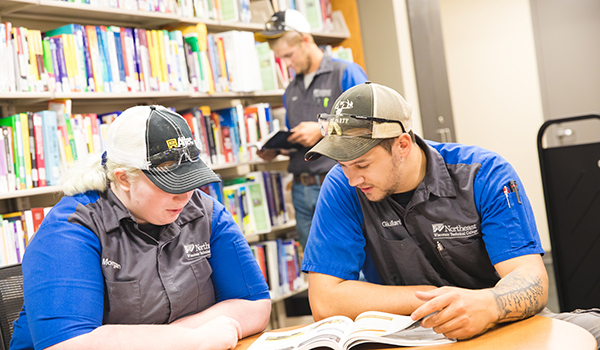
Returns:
<point x="318" y="13"/>
<point x="280" y="261"/>
<point x="257" y="201"/>
<point x="35" y="146"/>
<point x="86" y="58"/>
<point x="16" y="231"/>
<point x="218" y="10"/>
<point x="230" y="135"/>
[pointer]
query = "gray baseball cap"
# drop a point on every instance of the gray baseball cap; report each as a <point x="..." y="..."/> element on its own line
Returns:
<point x="360" y="119"/>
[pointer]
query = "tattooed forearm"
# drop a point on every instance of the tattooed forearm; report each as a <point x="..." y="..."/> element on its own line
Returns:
<point x="518" y="296"/>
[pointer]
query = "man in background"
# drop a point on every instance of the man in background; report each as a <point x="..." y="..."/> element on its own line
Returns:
<point x="319" y="80"/>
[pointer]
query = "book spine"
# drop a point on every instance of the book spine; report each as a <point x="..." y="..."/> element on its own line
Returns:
<point x="31" y="148"/>
<point x="26" y="149"/>
<point x="51" y="150"/>
<point x="95" y="60"/>
<point x="85" y="57"/>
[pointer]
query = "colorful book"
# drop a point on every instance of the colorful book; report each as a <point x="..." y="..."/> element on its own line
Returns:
<point x="50" y="146"/>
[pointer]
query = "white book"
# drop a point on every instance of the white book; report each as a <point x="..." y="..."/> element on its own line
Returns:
<point x="3" y="253"/>
<point x="28" y="225"/>
<point x="272" y="258"/>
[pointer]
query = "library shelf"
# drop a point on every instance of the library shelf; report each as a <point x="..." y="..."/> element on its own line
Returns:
<point x="31" y="192"/>
<point x="279" y="298"/>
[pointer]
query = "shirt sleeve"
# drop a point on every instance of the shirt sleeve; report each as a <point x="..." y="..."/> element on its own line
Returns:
<point x="508" y="227"/>
<point x="353" y="75"/>
<point x="336" y="245"/>
<point x="236" y="274"/>
<point x="62" y="279"/>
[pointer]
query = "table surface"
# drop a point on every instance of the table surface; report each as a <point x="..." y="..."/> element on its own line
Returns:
<point x="535" y="333"/>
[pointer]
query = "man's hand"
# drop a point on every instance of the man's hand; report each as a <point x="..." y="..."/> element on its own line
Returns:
<point x="459" y="313"/>
<point x="267" y="154"/>
<point x="306" y="133"/>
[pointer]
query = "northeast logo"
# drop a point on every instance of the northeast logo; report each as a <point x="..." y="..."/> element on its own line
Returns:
<point x="441" y="230"/>
<point x="194" y="250"/>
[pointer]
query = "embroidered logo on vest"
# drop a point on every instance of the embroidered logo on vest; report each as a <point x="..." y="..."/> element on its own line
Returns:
<point x="194" y="250"/>
<point x="107" y="262"/>
<point x="391" y="223"/>
<point x="457" y="231"/>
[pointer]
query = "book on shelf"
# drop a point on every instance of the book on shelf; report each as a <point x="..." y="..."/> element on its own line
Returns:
<point x="279" y="261"/>
<point x="237" y="51"/>
<point x="12" y="181"/>
<point x="13" y="124"/>
<point x="3" y="165"/>
<point x="343" y="333"/>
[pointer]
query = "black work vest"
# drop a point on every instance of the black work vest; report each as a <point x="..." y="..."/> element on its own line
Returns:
<point x="437" y="239"/>
<point x="149" y="281"/>
<point x="303" y="104"/>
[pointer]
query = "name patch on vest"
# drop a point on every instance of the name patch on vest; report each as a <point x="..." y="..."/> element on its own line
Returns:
<point x="322" y="93"/>
<point x="108" y="262"/>
<point x="441" y="231"/>
<point x="194" y="250"/>
<point x="391" y="223"/>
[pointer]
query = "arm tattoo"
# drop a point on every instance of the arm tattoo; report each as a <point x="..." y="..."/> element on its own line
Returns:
<point x="518" y="296"/>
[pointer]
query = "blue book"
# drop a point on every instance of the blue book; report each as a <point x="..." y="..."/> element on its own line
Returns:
<point x="103" y="48"/>
<point x="215" y="63"/>
<point x="62" y="65"/>
<point x="51" y="150"/>
<point x="228" y="121"/>
<point x="91" y="86"/>
<point x="119" y="48"/>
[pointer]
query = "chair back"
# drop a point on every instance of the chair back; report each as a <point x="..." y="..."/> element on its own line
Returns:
<point x="11" y="301"/>
<point x="571" y="182"/>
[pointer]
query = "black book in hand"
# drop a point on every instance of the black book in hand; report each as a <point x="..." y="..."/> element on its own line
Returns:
<point x="277" y="140"/>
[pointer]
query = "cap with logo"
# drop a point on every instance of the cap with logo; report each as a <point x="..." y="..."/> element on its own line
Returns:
<point x="159" y="142"/>
<point x="360" y="119"/>
<point x="281" y="22"/>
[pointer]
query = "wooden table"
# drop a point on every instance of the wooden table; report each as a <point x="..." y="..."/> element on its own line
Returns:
<point x="535" y="333"/>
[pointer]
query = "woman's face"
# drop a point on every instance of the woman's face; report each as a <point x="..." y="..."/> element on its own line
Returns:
<point x="150" y="204"/>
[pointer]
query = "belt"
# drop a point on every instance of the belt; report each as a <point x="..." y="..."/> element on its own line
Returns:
<point x="309" y="179"/>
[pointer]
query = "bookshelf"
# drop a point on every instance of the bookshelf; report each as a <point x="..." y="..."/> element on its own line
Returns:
<point x="49" y="14"/>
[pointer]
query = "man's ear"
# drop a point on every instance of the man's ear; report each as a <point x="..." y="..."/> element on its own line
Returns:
<point x="404" y="144"/>
<point x="122" y="179"/>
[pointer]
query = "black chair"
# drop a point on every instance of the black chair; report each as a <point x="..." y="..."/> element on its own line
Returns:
<point x="11" y="300"/>
<point x="571" y="182"/>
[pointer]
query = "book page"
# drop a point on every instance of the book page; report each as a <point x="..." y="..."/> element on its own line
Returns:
<point x="381" y="327"/>
<point x="328" y="332"/>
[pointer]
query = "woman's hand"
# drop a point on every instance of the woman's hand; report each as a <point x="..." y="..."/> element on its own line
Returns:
<point x="220" y="334"/>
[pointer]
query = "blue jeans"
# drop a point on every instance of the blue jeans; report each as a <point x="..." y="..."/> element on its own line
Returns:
<point x="304" y="199"/>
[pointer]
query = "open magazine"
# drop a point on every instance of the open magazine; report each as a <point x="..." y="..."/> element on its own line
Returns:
<point x="341" y="333"/>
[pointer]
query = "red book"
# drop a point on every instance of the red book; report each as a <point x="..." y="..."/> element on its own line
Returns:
<point x="38" y="216"/>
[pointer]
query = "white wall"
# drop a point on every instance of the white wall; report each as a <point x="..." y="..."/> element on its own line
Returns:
<point x="494" y="85"/>
<point x="388" y="51"/>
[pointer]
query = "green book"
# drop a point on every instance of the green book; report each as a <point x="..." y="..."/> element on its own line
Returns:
<point x="266" y="62"/>
<point x="14" y="122"/>
<point x="71" y="137"/>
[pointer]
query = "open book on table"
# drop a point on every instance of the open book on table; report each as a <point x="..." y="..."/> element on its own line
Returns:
<point x="341" y="333"/>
